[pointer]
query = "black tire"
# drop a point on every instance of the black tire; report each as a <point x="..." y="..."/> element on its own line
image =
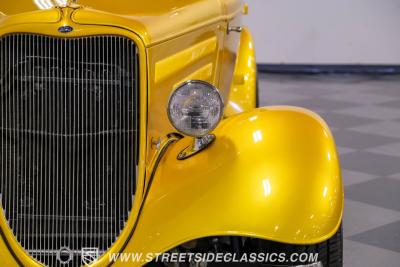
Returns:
<point x="330" y="252"/>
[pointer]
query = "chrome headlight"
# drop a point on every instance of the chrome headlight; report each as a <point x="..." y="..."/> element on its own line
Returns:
<point x="195" y="108"/>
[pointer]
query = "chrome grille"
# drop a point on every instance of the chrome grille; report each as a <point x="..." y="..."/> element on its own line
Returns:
<point x="68" y="128"/>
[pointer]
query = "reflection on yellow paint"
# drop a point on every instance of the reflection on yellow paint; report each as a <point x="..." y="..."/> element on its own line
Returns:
<point x="61" y="2"/>
<point x="253" y="118"/>
<point x="267" y="187"/>
<point x="257" y="136"/>
<point x="235" y="106"/>
<point x="47" y="4"/>
<point x="325" y="191"/>
<point x="43" y="4"/>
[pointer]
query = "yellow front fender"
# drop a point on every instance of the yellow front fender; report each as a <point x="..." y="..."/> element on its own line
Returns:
<point x="243" y="93"/>
<point x="272" y="173"/>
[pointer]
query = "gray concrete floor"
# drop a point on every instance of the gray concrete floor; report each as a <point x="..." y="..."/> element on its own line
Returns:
<point x="364" y="115"/>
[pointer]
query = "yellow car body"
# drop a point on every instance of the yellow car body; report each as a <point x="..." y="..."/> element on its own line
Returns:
<point x="272" y="173"/>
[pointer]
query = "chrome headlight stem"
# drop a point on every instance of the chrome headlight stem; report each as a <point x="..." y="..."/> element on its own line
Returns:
<point x="199" y="144"/>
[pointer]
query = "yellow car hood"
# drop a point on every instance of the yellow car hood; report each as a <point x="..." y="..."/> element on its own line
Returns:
<point x="154" y="21"/>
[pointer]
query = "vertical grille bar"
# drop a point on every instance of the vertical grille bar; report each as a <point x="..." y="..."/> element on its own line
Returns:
<point x="69" y="138"/>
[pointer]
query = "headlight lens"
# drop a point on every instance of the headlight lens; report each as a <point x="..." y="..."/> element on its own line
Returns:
<point x="195" y="108"/>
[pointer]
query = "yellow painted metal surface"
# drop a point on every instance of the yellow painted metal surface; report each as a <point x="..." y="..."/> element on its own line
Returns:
<point x="154" y="21"/>
<point x="50" y="29"/>
<point x="272" y="173"/>
<point x="242" y="96"/>
<point x="204" y="74"/>
<point x="191" y="56"/>
<point x="232" y="7"/>
<point x="119" y="7"/>
<point x="231" y="51"/>
<point x="6" y="258"/>
<point x="245" y="10"/>
<point x="182" y="60"/>
<point x="47" y="16"/>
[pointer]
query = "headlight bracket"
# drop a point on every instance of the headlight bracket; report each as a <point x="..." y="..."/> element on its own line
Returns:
<point x="199" y="144"/>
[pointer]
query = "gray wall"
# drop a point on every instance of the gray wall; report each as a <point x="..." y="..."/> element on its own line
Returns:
<point x="326" y="32"/>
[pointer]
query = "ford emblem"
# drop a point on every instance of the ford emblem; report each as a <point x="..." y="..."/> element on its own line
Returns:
<point x="65" y="29"/>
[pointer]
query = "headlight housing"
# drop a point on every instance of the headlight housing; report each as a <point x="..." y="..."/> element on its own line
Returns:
<point x="195" y="108"/>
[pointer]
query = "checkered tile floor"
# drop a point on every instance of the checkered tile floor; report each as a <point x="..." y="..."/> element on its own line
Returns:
<point x="364" y="115"/>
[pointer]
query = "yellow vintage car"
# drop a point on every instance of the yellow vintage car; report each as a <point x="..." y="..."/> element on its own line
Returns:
<point x="130" y="130"/>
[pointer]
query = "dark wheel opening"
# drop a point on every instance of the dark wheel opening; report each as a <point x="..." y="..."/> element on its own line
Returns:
<point x="329" y="253"/>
